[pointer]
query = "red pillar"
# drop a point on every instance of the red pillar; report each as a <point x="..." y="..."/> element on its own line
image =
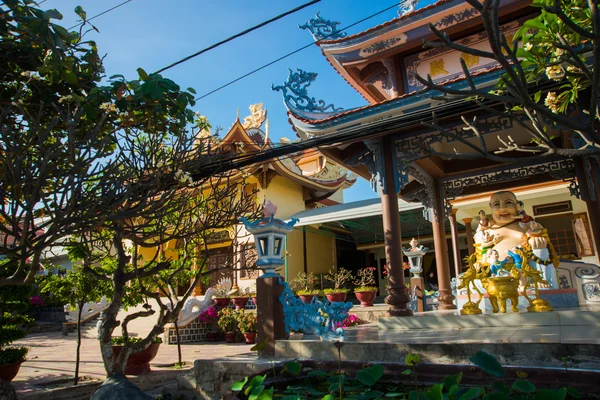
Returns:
<point x="446" y="298"/>
<point x="397" y="297"/>
<point x="455" y="242"/>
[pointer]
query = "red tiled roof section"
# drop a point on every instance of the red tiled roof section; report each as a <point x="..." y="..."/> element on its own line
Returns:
<point x="420" y="10"/>
<point x="9" y="240"/>
<point x="318" y="121"/>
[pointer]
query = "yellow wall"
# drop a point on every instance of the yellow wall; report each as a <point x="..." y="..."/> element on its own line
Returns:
<point x="319" y="252"/>
<point x="288" y="196"/>
<point x="295" y="253"/>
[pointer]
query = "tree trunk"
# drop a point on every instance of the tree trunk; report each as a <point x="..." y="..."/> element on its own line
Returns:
<point x="78" y="349"/>
<point x="178" y="343"/>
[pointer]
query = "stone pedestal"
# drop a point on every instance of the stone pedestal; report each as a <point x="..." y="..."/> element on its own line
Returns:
<point x="418" y="283"/>
<point x="269" y="312"/>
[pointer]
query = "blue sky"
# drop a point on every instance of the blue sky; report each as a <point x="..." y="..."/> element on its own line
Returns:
<point x="152" y="34"/>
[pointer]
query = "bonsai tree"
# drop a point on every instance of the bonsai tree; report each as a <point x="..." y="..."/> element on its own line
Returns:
<point x="338" y="278"/>
<point x="365" y="280"/>
<point x="303" y="283"/>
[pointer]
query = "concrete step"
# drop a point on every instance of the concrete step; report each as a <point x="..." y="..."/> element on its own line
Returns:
<point x="524" y="319"/>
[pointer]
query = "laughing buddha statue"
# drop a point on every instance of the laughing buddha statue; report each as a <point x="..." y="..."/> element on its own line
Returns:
<point x="514" y="252"/>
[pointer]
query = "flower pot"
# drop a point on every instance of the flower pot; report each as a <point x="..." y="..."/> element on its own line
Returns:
<point x="9" y="371"/>
<point x="250" y="337"/>
<point x="230" y="337"/>
<point x="221" y="301"/>
<point x="338" y="296"/>
<point x="366" y="298"/>
<point x="240" y="302"/>
<point x="138" y="363"/>
<point x="306" y="298"/>
<point x="212" y="336"/>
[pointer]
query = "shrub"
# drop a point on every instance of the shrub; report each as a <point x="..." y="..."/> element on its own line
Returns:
<point x="365" y="279"/>
<point x="246" y="322"/>
<point x="120" y="341"/>
<point x="227" y="320"/>
<point x="338" y="278"/>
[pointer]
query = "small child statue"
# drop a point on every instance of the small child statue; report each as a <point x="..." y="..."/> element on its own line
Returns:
<point x="483" y="221"/>
<point x="525" y="219"/>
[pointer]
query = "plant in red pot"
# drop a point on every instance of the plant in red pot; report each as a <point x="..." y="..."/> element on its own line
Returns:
<point x="137" y="363"/>
<point x="240" y="300"/>
<point x="302" y="283"/>
<point x="337" y="278"/>
<point x="227" y="323"/>
<point x="221" y="291"/>
<point x="210" y="317"/>
<point x="364" y="289"/>
<point x="14" y="301"/>
<point x="247" y="324"/>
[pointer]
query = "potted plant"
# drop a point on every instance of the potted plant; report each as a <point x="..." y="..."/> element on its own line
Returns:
<point x="304" y="281"/>
<point x="227" y="323"/>
<point x="338" y="278"/>
<point x="247" y="324"/>
<point x="209" y="316"/>
<point x="364" y="290"/>
<point x="221" y="291"/>
<point x="137" y="363"/>
<point x="240" y="300"/>
<point x="14" y="302"/>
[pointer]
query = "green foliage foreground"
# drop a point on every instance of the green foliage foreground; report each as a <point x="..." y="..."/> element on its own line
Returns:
<point x="368" y="384"/>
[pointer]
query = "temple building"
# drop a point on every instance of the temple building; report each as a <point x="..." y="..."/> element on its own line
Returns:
<point x="412" y="162"/>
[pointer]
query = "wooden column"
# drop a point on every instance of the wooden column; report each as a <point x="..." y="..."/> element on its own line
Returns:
<point x="446" y="298"/>
<point x="397" y="297"/>
<point x="455" y="242"/>
<point x="593" y="206"/>
<point x="469" y="231"/>
<point x="269" y="313"/>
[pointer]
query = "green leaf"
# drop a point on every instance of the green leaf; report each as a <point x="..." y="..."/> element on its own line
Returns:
<point x="336" y="378"/>
<point x="255" y="392"/>
<point x="293" y="367"/>
<point x="549" y="394"/>
<point x="371" y="394"/>
<point x="524" y="386"/>
<point x="239" y="385"/>
<point x="394" y="394"/>
<point x="535" y="23"/>
<point x="452" y="380"/>
<point x="291" y="397"/>
<point x="453" y="390"/>
<point x="317" y="374"/>
<point x="260" y="346"/>
<point x="53" y="14"/>
<point x="472" y="393"/>
<point x="265" y="395"/>
<point x="328" y="397"/>
<point x="79" y="11"/>
<point x="488" y="363"/>
<point x="312" y="391"/>
<point x="537" y="96"/>
<point x="499" y="387"/>
<point x="70" y="77"/>
<point x="143" y="75"/>
<point x="370" y="376"/>
<point x="573" y="392"/>
<point x="407" y="372"/>
<point x="435" y="393"/>
<point x="496" y="396"/>
<point x="191" y="90"/>
<point x="256" y="381"/>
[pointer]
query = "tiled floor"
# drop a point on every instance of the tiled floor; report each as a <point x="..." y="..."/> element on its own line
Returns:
<point x="52" y="356"/>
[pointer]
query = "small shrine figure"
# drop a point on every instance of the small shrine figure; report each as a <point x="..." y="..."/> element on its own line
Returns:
<point x="494" y="261"/>
<point x="489" y="241"/>
<point x="535" y="230"/>
<point x="483" y="221"/>
<point x="525" y="219"/>
<point x="414" y="245"/>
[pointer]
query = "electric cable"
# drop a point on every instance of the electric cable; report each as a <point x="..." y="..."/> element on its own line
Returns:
<point x="102" y="13"/>
<point x="396" y="4"/>
<point x="244" y="32"/>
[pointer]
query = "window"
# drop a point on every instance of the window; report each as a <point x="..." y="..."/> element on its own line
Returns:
<point x="569" y="234"/>
<point x="249" y="258"/>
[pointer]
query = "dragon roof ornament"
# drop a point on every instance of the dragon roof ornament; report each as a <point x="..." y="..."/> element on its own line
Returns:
<point x="407" y="7"/>
<point x="296" y="96"/>
<point x="321" y="28"/>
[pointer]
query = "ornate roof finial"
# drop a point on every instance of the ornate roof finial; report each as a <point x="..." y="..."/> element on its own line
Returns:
<point x="269" y="209"/>
<point x="322" y="28"/>
<point x="407" y="7"/>
<point x="297" y="98"/>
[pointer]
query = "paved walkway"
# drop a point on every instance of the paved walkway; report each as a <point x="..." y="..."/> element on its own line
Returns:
<point x="52" y="357"/>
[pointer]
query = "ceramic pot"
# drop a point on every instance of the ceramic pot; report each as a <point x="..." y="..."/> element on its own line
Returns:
<point x="221" y="301"/>
<point x="240" y="302"/>
<point x="366" y="298"/>
<point x="138" y="363"/>
<point x="230" y="337"/>
<point x="338" y="296"/>
<point x="212" y="336"/>
<point x="250" y="337"/>
<point x="306" y="298"/>
<point x="9" y="371"/>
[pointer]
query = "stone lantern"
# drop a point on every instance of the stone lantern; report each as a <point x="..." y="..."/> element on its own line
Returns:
<point x="269" y="238"/>
<point x="415" y="255"/>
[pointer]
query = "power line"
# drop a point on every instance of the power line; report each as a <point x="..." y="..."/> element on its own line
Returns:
<point x="102" y="13"/>
<point x="396" y="4"/>
<point x="238" y="35"/>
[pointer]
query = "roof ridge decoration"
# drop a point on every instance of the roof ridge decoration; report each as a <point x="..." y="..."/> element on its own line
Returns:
<point x="407" y="7"/>
<point x="321" y="28"/>
<point x="295" y="95"/>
